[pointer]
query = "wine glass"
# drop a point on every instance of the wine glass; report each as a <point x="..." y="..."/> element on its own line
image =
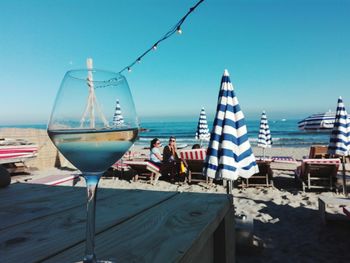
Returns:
<point x="93" y="123"/>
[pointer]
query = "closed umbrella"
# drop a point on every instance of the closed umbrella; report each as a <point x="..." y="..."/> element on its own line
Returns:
<point x="92" y="105"/>
<point x="229" y="153"/>
<point x="202" y="133"/>
<point x="339" y="143"/>
<point x="264" y="139"/>
<point x="118" y="117"/>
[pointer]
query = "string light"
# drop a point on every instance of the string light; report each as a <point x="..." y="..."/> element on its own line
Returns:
<point x="174" y="29"/>
<point x="178" y="30"/>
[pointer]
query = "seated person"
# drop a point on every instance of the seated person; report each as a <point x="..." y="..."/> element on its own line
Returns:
<point x="155" y="155"/>
<point x="196" y="146"/>
<point x="171" y="161"/>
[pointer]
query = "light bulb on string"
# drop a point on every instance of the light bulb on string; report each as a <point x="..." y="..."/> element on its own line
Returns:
<point x="178" y="30"/>
<point x="175" y="29"/>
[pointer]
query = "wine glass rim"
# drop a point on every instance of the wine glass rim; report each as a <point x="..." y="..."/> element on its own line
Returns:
<point x="114" y="75"/>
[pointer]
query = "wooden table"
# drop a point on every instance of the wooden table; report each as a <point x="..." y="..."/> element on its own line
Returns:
<point x="325" y="202"/>
<point x="47" y="224"/>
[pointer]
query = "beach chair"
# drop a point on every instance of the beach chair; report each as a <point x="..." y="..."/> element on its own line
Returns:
<point x="58" y="179"/>
<point x="263" y="178"/>
<point x="194" y="160"/>
<point x="283" y="159"/>
<point x="318" y="151"/>
<point x="318" y="173"/>
<point x="144" y="168"/>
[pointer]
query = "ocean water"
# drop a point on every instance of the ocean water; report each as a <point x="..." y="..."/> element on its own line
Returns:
<point x="284" y="133"/>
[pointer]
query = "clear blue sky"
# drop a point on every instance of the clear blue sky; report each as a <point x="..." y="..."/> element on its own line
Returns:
<point x="288" y="57"/>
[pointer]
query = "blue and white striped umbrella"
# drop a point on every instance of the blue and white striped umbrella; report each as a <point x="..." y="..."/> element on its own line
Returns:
<point x="202" y="132"/>
<point x="339" y="143"/>
<point x="264" y="139"/>
<point x="118" y="117"/>
<point x="229" y="153"/>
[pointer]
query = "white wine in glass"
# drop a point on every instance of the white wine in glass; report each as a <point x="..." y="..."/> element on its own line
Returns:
<point x="82" y="128"/>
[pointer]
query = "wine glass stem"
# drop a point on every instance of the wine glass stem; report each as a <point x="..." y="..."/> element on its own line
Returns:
<point x="91" y="187"/>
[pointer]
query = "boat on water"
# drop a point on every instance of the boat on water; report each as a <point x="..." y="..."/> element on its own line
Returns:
<point x="320" y="122"/>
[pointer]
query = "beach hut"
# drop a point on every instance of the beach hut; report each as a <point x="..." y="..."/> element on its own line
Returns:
<point x="339" y="143"/>
<point x="264" y="138"/>
<point x="229" y="153"/>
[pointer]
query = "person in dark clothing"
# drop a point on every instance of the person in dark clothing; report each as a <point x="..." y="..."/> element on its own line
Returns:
<point x="171" y="161"/>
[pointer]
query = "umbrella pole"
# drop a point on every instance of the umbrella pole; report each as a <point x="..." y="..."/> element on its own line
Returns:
<point x="263" y="153"/>
<point x="229" y="187"/>
<point x="345" y="192"/>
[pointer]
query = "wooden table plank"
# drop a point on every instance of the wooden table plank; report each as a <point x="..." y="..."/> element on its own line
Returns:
<point x="49" y="200"/>
<point x="44" y="236"/>
<point x="174" y="231"/>
<point x="11" y="193"/>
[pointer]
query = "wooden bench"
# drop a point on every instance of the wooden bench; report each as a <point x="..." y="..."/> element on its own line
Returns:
<point x="327" y="202"/>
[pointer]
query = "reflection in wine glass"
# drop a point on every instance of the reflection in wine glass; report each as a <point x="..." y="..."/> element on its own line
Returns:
<point x="80" y="129"/>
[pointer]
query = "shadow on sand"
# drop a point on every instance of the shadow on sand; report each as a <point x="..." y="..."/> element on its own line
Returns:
<point x="295" y="233"/>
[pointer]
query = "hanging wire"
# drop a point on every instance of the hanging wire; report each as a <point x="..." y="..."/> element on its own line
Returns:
<point x="173" y="30"/>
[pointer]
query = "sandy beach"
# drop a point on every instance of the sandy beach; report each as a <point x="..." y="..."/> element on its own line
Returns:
<point x="286" y="223"/>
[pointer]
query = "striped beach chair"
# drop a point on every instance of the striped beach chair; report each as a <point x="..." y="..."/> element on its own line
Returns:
<point x="54" y="180"/>
<point x="194" y="160"/>
<point x="144" y="168"/>
<point x="283" y="159"/>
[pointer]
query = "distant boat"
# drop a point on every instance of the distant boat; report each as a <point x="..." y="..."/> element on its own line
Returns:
<point x="283" y="119"/>
<point x="318" y="122"/>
